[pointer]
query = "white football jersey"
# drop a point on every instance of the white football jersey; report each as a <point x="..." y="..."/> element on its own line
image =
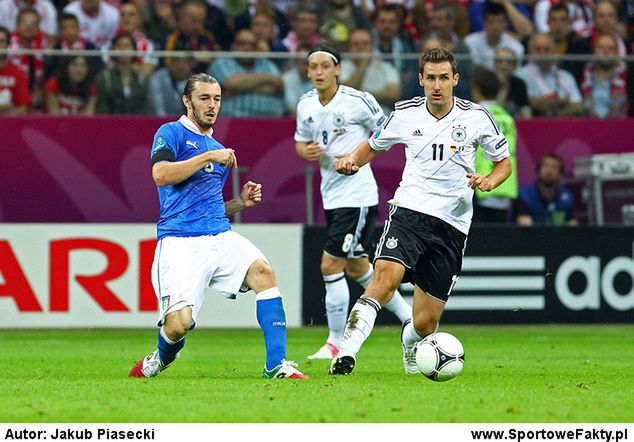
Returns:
<point x="439" y="153"/>
<point x="338" y="127"/>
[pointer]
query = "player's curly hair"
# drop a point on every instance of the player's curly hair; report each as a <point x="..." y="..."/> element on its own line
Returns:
<point x="191" y="83"/>
<point x="437" y="55"/>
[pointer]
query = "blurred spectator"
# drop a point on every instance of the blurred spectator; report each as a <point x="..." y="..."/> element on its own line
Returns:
<point x="191" y="30"/>
<point x="27" y="35"/>
<point x="251" y="86"/>
<point x="483" y="44"/>
<point x="69" y="38"/>
<point x="606" y="22"/>
<point x="338" y="18"/>
<point x="368" y="74"/>
<point x="296" y="82"/>
<point x="579" y="14"/>
<point x="71" y="91"/>
<point x="165" y="86"/>
<point x="243" y="20"/>
<point x="304" y="28"/>
<point x="160" y="20"/>
<point x="98" y="20"/>
<point x="9" y="10"/>
<point x="567" y="42"/>
<point x="416" y="22"/>
<point x="494" y="206"/>
<point x="15" y="97"/>
<point x="388" y="41"/>
<point x="132" y="23"/>
<point x="513" y="94"/>
<point x="626" y="16"/>
<point x="264" y="27"/>
<point x="604" y="85"/>
<point x="122" y="89"/>
<point x="551" y="91"/>
<point x="546" y="201"/>
<point x="519" y="18"/>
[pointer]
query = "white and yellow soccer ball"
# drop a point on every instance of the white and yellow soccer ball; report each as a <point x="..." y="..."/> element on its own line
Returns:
<point x="440" y="356"/>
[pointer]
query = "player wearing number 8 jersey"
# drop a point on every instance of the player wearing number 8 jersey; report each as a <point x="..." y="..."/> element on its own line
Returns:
<point x="430" y="215"/>
<point x="331" y="120"/>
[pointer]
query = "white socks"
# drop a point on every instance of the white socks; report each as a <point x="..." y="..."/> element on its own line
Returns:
<point x="359" y="325"/>
<point x="409" y="336"/>
<point x="337" y="301"/>
<point x="396" y="305"/>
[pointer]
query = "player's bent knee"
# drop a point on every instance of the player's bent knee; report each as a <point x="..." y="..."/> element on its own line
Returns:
<point x="261" y="276"/>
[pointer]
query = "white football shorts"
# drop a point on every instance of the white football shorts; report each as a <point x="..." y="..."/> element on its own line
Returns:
<point x="184" y="267"/>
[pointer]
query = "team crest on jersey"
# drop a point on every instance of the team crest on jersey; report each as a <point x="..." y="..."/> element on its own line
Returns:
<point x="338" y="119"/>
<point x="165" y="302"/>
<point x="391" y="243"/>
<point x="459" y="134"/>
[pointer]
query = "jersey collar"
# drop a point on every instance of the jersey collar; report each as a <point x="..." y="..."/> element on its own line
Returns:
<point x="189" y="124"/>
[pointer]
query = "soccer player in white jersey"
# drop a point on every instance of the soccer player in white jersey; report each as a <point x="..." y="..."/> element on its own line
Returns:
<point x="425" y="236"/>
<point x="331" y="120"/>
<point x="196" y="247"/>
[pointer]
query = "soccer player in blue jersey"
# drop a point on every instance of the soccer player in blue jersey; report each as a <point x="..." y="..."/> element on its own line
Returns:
<point x="196" y="247"/>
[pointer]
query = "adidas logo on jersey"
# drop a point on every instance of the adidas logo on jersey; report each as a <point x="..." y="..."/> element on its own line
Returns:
<point x="417" y="133"/>
<point x="310" y="120"/>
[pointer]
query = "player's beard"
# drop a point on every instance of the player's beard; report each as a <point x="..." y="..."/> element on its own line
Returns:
<point x="201" y="120"/>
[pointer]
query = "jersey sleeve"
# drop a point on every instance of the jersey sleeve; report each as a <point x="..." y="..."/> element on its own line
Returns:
<point x="373" y="113"/>
<point x="164" y="146"/>
<point x="387" y="135"/>
<point x="302" y="130"/>
<point x="492" y="140"/>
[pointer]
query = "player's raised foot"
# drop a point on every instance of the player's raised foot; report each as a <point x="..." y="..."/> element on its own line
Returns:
<point x="409" y="354"/>
<point x="342" y="365"/>
<point x="148" y="367"/>
<point x="327" y="351"/>
<point x="286" y="370"/>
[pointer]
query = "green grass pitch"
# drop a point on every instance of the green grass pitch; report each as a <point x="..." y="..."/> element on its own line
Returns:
<point x="512" y="374"/>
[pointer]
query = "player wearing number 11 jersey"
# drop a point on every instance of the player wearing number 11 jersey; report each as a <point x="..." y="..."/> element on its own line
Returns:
<point x="331" y="120"/>
<point x="424" y="239"/>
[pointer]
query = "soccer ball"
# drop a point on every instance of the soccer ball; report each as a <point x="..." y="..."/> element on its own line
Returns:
<point x="440" y="356"/>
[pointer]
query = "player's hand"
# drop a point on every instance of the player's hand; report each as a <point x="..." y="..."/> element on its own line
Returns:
<point x="313" y="151"/>
<point x="251" y="194"/>
<point x="224" y="157"/>
<point x="345" y="165"/>
<point x="479" y="181"/>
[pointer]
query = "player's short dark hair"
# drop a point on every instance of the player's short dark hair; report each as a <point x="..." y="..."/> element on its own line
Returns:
<point x="197" y="78"/>
<point x="437" y="55"/>
<point x="552" y="156"/>
<point x="325" y="47"/>
<point x="486" y="81"/>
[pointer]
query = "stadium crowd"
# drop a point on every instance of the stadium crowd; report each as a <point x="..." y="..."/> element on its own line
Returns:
<point x="553" y="58"/>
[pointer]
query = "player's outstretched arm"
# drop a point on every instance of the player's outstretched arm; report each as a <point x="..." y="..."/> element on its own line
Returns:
<point x="173" y="172"/>
<point x="349" y="164"/>
<point x="250" y="196"/>
<point x="501" y="171"/>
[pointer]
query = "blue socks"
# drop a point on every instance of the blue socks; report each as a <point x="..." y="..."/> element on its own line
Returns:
<point x="168" y="349"/>
<point x="272" y="320"/>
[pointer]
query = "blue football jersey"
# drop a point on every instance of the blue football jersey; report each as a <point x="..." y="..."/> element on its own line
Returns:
<point x="194" y="207"/>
